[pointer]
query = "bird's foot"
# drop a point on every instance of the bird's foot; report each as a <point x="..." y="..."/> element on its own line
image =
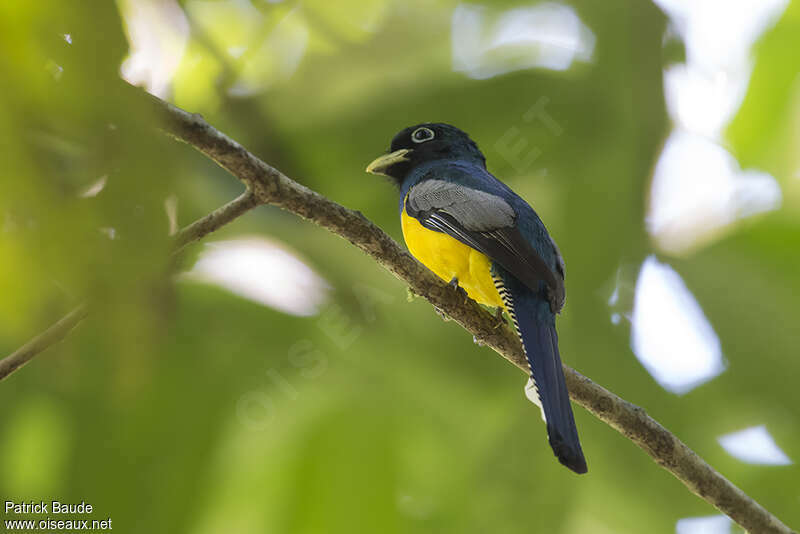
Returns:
<point x="501" y="321"/>
<point x="461" y="291"/>
<point x="454" y="284"/>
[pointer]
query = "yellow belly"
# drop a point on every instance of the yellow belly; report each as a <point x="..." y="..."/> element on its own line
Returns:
<point x="448" y="258"/>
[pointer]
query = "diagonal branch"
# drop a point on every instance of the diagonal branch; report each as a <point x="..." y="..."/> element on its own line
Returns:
<point x="216" y="219"/>
<point x="266" y="185"/>
<point x="272" y="187"/>
<point x="49" y="337"/>
<point x="194" y="232"/>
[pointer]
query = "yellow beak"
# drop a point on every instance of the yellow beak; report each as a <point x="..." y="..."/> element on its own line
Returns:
<point x="382" y="163"/>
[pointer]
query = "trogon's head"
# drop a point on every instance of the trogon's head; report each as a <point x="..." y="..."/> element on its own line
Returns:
<point x="423" y="143"/>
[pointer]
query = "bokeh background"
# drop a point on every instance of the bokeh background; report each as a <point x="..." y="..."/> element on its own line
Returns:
<point x="277" y="380"/>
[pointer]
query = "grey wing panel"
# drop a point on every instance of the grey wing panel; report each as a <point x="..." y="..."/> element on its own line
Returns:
<point x="474" y="210"/>
<point x="486" y="223"/>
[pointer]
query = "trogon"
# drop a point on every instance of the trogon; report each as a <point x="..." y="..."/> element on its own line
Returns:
<point x="473" y="231"/>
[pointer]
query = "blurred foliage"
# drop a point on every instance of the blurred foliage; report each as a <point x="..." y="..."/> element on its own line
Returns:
<point x="766" y="131"/>
<point x="178" y="407"/>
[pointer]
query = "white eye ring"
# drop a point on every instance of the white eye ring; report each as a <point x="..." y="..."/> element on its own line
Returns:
<point x="422" y="134"/>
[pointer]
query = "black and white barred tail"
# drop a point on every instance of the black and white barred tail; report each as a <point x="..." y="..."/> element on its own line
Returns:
<point x="535" y="324"/>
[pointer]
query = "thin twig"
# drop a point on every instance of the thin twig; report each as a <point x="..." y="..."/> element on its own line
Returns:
<point x="49" y="337"/>
<point x="191" y="233"/>
<point x="216" y="219"/>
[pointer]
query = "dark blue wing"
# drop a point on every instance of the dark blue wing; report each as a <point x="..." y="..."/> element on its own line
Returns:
<point x="488" y="222"/>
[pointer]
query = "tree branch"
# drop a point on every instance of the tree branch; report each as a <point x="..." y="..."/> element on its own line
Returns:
<point x="191" y="233"/>
<point x="216" y="219"/>
<point x="49" y="337"/>
<point x="267" y="185"/>
<point x="271" y="186"/>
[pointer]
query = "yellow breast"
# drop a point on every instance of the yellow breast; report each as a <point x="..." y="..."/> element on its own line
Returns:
<point x="449" y="258"/>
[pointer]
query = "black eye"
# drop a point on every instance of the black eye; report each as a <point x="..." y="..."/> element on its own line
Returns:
<point x="420" y="135"/>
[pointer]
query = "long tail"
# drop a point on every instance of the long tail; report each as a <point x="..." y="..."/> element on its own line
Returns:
<point x="536" y="326"/>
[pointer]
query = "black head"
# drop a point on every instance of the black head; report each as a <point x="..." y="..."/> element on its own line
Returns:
<point x="422" y="143"/>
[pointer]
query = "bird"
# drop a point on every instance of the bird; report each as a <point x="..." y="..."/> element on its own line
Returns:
<point x="474" y="232"/>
